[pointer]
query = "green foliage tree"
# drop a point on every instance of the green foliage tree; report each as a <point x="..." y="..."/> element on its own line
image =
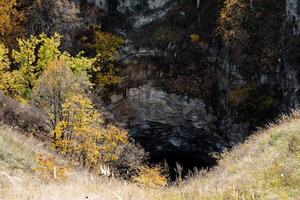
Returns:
<point x="32" y="64"/>
<point x="32" y="57"/>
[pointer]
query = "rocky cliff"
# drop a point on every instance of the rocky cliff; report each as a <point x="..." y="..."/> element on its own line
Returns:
<point x="187" y="94"/>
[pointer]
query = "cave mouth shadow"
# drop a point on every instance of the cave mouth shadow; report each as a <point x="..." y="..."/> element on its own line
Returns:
<point x="185" y="162"/>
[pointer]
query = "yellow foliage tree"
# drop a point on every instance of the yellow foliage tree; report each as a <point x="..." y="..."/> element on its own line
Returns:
<point x="62" y="95"/>
<point x="4" y="61"/>
<point x="31" y="65"/>
<point x="79" y="131"/>
<point x="54" y="87"/>
<point x="104" y="46"/>
<point x="10" y="21"/>
<point x="81" y="135"/>
<point x="4" y="64"/>
<point x="7" y="78"/>
<point x="230" y="24"/>
<point x="31" y="58"/>
<point x="111" y="138"/>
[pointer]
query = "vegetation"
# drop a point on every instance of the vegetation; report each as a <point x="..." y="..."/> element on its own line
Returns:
<point x="49" y="170"/>
<point x="103" y="46"/>
<point x="232" y="24"/>
<point x="266" y="166"/>
<point x="42" y="78"/>
<point x="14" y="153"/>
<point x="53" y="95"/>
<point x="4" y="64"/>
<point x="32" y="58"/>
<point x="53" y="89"/>
<point x="78" y="132"/>
<point x="11" y="23"/>
<point x="251" y="32"/>
<point x="151" y="177"/>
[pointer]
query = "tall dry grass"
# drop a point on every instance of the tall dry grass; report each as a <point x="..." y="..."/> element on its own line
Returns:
<point x="266" y="166"/>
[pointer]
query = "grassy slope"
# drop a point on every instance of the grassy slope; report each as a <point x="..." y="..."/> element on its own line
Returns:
<point x="267" y="166"/>
<point x="16" y="151"/>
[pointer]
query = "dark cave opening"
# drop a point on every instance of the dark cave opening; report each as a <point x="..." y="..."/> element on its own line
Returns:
<point x="182" y="164"/>
<point x="189" y="150"/>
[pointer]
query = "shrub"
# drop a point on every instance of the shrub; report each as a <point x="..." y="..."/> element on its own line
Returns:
<point x="131" y="158"/>
<point x="49" y="170"/>
<point x="14" y="113"/>
<point x="111" y="138"/>
<point x="151" y="177"/>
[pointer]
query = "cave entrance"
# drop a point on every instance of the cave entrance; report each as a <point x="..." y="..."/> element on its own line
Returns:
<point x="182" y="164"/>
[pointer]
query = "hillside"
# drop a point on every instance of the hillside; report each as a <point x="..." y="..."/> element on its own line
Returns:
<point x="149" y="99"/>
<point x="184" y="78"/>
<point x="266" y="166"/>
<point x="153" y="81"/>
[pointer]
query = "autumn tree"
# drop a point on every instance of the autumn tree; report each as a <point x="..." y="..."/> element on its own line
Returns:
<point x="32" y="64"/>
<point x="11" y="21"/>
<point x="79" y="130"/>
<point x="56" y="84"/>
<point x="63" y="96"/>
<point x="104" y="47"/>
<point x="31" y="58"/>
<point x="4" y="63"/>
<point x="81" y="134"/>
<point x="111" y="138"/>
<point x="7" y="78"/>
<point x="231" y="25"/>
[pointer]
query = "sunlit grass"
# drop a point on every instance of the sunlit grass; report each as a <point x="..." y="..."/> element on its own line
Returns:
<point x="266" y="166"/>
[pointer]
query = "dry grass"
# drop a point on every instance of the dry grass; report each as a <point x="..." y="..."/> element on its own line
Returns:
<point x="17" y="150"/>
<point x="267" y="166"/>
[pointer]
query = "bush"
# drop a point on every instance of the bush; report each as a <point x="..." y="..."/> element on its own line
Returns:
<point x="14" y="113"/>
<point x="131" y="158"/>
<point x="49" y="170"/>
<point x="151" y="177"/>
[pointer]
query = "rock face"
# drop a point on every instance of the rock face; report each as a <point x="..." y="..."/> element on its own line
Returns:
<point x="68" y="18"/>
<point x="130" y="5"/>
<point x="293" y="14"/>
<point x="182" y="125"/>
<point x="167" y="123"/>
<point x="140" y="12"/>
<point x="102" y="4"/>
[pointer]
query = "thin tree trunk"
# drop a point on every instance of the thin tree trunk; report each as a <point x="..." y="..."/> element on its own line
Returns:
<point x="251" y="4"/>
